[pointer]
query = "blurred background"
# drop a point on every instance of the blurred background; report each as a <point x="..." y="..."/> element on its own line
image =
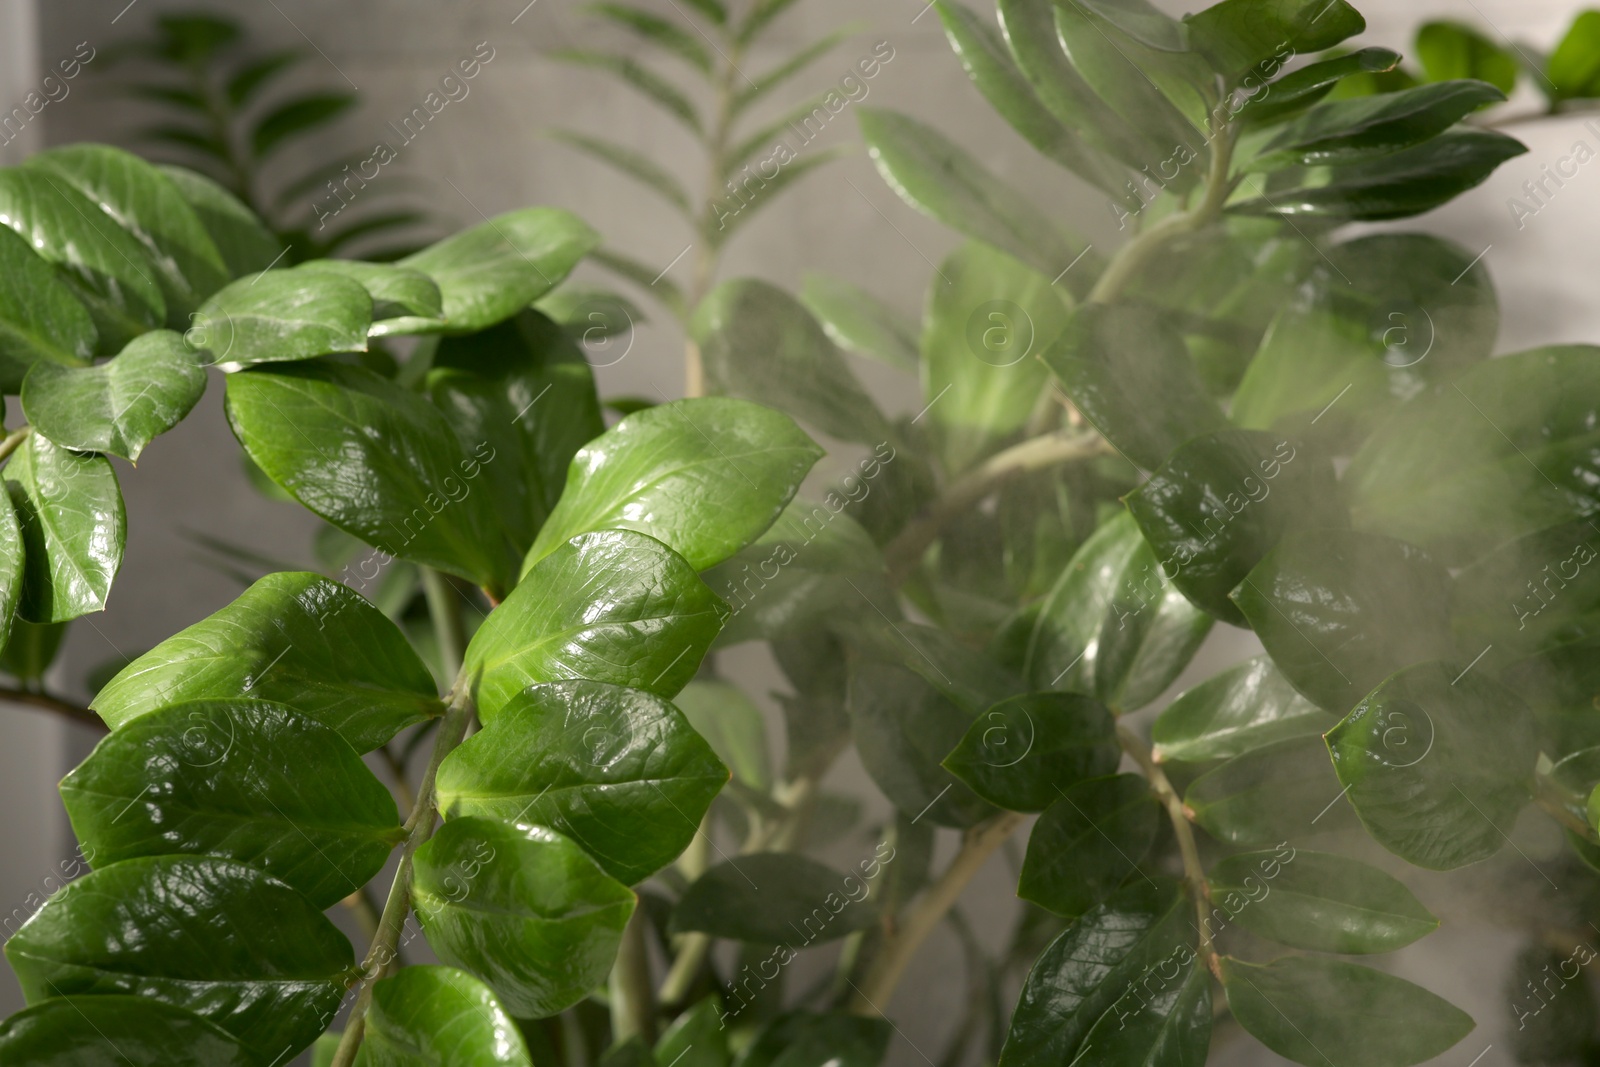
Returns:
<point x="488" y="152"/>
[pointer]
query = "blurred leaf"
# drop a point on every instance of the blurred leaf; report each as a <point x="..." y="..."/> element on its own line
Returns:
<point x="1574" y="66"/>
<point x="759" y="17"/>
<point x="696" y="1038"/>
<point x="1532" y="594"/>
<point x="1300" y="89"/>
<point x="1089" y="841"/>
<point x="254" y="75"/>
<point x="1273" y="793"/>
<point x="634" y="164"/>
<point x="800" y="1039"/>
<point x="775" y="898"/>
<point x="1022" y="752"/>
<point x="298" y="116"/>
<point x="769" y="80"/>
<point x="1367" y="129"/>
<point x="1235" y="712"/>
<point x="1244" y="37"/>
<point x="30" y="649"/>
<point x="1152" y="82"/>
<point x="244" y="243"/>
<point x="642" y="79"/>
<point x="733" y="726"/>
<point x="769" y="189"/>
<point x="665" y="33"/>
<point x="1450" y="50"/>
<point x="856" y="320"/>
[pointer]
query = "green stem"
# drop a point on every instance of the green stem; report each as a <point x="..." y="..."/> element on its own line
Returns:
<point x="444" y="607"/>
<point x="418" y="828"/>
<point x="707" y="253"/>
<point x="633" y="1009"/>
<point x="13" y="441"/>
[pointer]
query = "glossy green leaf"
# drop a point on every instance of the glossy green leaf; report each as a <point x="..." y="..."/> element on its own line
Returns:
<point x="619" y="771"/>
<point x="1023" y="751"/>
<point x="1301" y="1007"/>
<point x="522" y="908"/>
<point x="760" y="343"/>
<point x="1128" y="371"/>
<point x="433" y="1016"/>
<point x="733" y="726"/>
<point x="685" y="44"/>
<point x="615" y="606"/>
<point x="1340" y="611"/>
<point x="705" y="476"/>
<point x="219" y="938"/>
<point x="146" y="204"/>
<point x="1161" y="88"/>
<point x="1319" y="901"/>
<point x="1235" y="712"/>
<point x="1437" y="761"/>
<point x="1574" y="66"/>
<point x="941" y="179"/>
<point x="1535" y="593"/>
<point x="1300" y="89"/>
<point x="246" y="246"/>
<point x="1113" y="626"/>
<point x="642" y="79"/>
<point x="636" y="165"/>
<point x="1121" y="971"/>
<point x="1451" y="50"/>
<point x="856" y="320"/>
<point x="524" y="389"/>
<point x="1283" y="790"/>
<point x="801" y="1039"/>
<point x="488" y="273"/>
<point x="107" y="268"/>
<point x="775" y="898"/>
<point x="296" y="117"/>
<point x="1360" y="130"/>
<point x="246" y="780"/>
<point x="1396" y="186"/>
<point x="375" y="460"/>
<point x="282" y="315"/>
<point x="403" y="301"/>
<point x="1089" y="841"/>
<point x="293" y="638"/>
<point x="1223" y="501"/>
<point x="40" y="317"/>
<point x="1242" y="37"/>
<point x="120" y="406"/>
<point x="1506" y="450"/>
<point x="989" y="318"/>
<point x="73" y="527"/>
<point x="102" y="1031"/>
<point x="12" y="574"/>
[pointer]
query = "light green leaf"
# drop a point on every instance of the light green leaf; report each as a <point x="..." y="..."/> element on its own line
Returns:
<point x="1244" y="37"/>
<point x="705" y="476"/>
<point x="522" y="908"/>
<point x="293" y="638"/>
<point x="1574" y="66"/>
<point x="246" y="246"/>
<point x="1301" y="1007"/>
<point x="403" y="301"/>
<point x="40" y="317"/>
<point x="488" y="273"/>
<point x="433" y="1016"/>
<point x="775" y="898"/>
<point x="1451" y="50"/>
<point x="102" y="1031"/>
<point x="376" y="460"/>
<point x="636" y="165"/>
<point x="73" y="527"/>
<point x="282" y="315"/>
<point x="1235" y="712"/>
<point x="642" y="79"/>
<point x="1297" y="91"/>
<point x="1367" y="128"/>
<point x="733" y="726"/>
<point x="1282" y="790"/>
<point x="669" y="35"/>
<point x="216" y="937"/>
<point x="1022" y="752"/>
<point x="1089" y="841"/>
<point x="856" y="320"/>
<point x="117" y="407"/>
<point x="1153" y="84"/>
<point x="617" y="770"/>
<point x="1437" y="761"/>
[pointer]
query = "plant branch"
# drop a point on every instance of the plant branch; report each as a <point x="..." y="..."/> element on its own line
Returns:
<point x="898" y="947"/>
<point x="67" y="710"/>
<point x="13" y="441"/>
<point x="633" y="1007"/>
<point x="1194" y="872"/>
<point x="445" y="611"/>
<point x="904" y="553"/>
<point x="418" y="827"/>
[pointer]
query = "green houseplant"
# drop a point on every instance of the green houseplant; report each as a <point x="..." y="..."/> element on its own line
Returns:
<point x="1399" y="519"/>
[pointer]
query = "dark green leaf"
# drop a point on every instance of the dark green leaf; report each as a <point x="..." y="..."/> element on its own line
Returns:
<point x="592" y="315"/>
<point x="1235" y="712"/>
<point x="105" y="265"/>
<point x="710" y="9"/>
<point x="12" y="575"/>
<point x="636" y="165"/>
<point x="1278" y="791"/>
<point x="40" y="317"/>
<point x="1320" y="902"/>
<point x="1357" y="131"/>
<point x="1223" y="501"/>
<point x="614" y="605"/>
<point x="490" y="272"/>
<point x="706" y="476"/>
<point x="1089" y="841"/>
<point x="759" y="343"/>
<point x="1340" y="611"/>
<point x="1450" y="50"/>
<point x="1142" y="21"/>
<point x="257" y="73"/>
<point x="686" y="45"/>
<point x="941" y="179"/>
<point x="1534" y="594"/>
<point x="120" y="406"/>
<point x="1128" y="371"/>
<point x="219" y="938"/>
<point x="768" y="80"/>
<point x="1111" y="968"/>
<point x="696" y="1038"/>
<point x="1574" y="67"/>
<point x="775" y="898"/>
<point x="427" y="1016"/>
<point x="644" y="276"/>
<point x="73" y="529"/>
<point x="403" y="301"/>
<point x="522" y="908"/>
<point x="1553" y="1026"/>
<point x="243" y="242"/>
<point x="244" y="780"/>
<point x="31" y="648"/>
<point x="618" y="770"/>
<point x="1243" y="37"/>
<point x="856" y="320"/>
<point x="146" y="204"/>
<point x="298" y="116"/>
<point x="1437" y="769"/>
<point x="1299" y="90"/>
<point x="733" y="726"/>
<point x="799" y="1039"/>
<point x="759" y="17"/>
<point x="1152" y="83"/>
<point x="375" y="460"/>
<point x="642" y="79"/>
<point x="1022" y="752"/>
<point x="1302" y="1008"/>
<point x="1113" y="626"/>
<point x="102" y="1031"/>
<point x="297" y="639"/>
<point x="282" y="315"/>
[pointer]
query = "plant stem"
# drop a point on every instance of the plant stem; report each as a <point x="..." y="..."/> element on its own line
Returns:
<point x="418" y="827"/>
<point x="904" y="553"/>
<point x="13" y="441"/>
<point x="881" y="978"/>
<point x="68" y="711"/>
<point x="1194" y="872"/>
<point x="707" y="256"/>
<point x="633" y="1009"/>
<point x="445" y="611"/>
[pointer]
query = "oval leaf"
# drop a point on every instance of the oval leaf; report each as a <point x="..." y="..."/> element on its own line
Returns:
<point x="73" y="526"/>
<point x="1088" y="842"/>
<point x="1022" y="752"/>
<point x="282" y="315"/>
<point x="429" y="1016"/>
<point x="40" y="316"/>
<point x="103" y="1031"/>
<point x="772" y="898"/>
<point x="1235" y="712"/>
